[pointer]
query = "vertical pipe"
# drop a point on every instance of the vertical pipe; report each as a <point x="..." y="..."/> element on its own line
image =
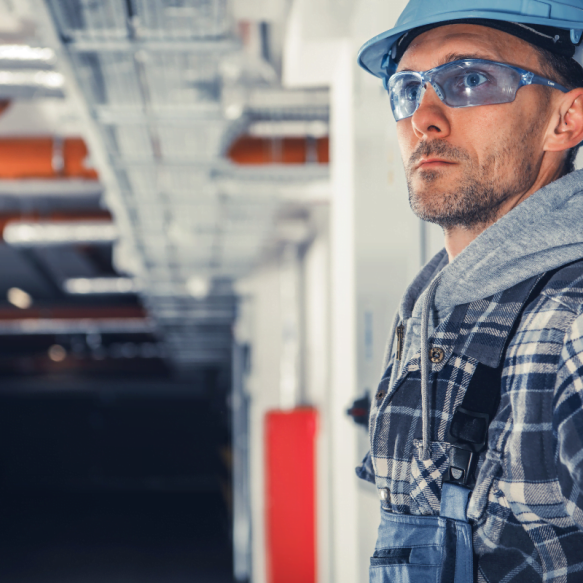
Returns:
<point x="240" y="445"/>
<point x="289" y="285"/>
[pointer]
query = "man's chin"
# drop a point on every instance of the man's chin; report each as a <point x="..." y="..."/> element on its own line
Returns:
<point x="429" y="196"/>
<point x="432" y="202"/>
<point x="444" y="173"/>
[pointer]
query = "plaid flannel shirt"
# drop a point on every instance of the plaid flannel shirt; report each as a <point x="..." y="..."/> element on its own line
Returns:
<point x="527" y="505"/>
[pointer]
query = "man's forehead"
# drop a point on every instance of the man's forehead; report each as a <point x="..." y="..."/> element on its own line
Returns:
<point x="457" y="41"/>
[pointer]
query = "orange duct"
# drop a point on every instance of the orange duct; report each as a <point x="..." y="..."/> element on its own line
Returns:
<point x="252" y="150"/>
<point x="44" y="158"/>
<point x="74" y="155"/>
<point x="323" y="146"/>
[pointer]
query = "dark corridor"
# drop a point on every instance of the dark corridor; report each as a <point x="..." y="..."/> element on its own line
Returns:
<point x="106" y="481"/>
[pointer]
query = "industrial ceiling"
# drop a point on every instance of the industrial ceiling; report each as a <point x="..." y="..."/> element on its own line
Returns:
<point x="168" y="89"/>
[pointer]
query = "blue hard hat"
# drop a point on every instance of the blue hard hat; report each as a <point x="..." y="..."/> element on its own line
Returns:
<point x="377" y="55"/>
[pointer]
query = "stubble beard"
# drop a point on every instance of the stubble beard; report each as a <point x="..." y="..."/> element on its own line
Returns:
<point x="476" y="199"/>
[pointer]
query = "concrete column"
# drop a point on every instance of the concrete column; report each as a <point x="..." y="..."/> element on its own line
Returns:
<point x="343" y="360"/>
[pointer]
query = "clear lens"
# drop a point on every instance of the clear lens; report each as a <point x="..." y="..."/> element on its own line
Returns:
<point x="458" y="84"/>
<point x="477" y="83"/>
<point x="404" y="90"/>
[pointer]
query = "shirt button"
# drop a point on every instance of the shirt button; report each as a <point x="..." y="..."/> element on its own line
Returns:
<point x="384" y="494"/>
<point x="436" y="354"/>
<point x="380" y="395"/>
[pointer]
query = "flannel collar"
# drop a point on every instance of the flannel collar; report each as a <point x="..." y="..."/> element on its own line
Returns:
<point x="479" y="330"/>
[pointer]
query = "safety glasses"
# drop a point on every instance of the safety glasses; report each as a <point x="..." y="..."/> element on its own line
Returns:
<point x="462" y="83"/>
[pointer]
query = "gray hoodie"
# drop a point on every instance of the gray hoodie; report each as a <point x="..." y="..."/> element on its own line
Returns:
<point x="543" y="232"/>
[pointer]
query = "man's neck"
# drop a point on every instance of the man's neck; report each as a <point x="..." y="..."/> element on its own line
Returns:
<point x="457" y="239"/>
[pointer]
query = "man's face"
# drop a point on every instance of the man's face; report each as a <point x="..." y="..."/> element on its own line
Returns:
<point x="462" y="164"/>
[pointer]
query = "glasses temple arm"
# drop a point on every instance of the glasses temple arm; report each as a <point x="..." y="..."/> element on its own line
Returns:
<point x="538" y="80"/>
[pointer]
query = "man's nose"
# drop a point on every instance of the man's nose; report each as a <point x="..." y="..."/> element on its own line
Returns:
<point x="431" y="119"/>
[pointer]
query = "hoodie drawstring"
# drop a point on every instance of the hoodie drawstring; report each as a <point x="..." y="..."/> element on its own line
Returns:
<point x="425" y="367"/>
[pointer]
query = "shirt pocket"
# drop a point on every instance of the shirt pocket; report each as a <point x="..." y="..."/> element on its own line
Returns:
<point x="427" y="476"/>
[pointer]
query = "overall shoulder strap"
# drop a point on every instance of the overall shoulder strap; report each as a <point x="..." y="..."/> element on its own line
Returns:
<point x="468" y="432"/>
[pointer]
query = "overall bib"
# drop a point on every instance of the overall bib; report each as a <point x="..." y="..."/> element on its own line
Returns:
<point x="426" y="549"/>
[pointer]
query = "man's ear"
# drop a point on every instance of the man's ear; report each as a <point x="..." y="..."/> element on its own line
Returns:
<point x="568" y="132"/>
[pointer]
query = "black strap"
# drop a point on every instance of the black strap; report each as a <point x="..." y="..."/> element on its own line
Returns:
<point x="468" y="432"/>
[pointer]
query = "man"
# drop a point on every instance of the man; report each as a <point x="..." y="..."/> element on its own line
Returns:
<point x="482" y="394"/>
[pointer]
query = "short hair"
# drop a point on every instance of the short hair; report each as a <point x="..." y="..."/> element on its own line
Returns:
<point x="569" y="73"/>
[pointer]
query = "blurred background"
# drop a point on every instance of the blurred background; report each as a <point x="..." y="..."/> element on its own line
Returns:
<point x="204" y="235"/>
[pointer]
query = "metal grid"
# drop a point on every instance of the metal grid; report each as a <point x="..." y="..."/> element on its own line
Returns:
<point x="150" y="71"/>
<point x="181" y="19"/>
<point x="113" y="19"/>
<point x="78" y="19"/>
<point x="158" y="80"/>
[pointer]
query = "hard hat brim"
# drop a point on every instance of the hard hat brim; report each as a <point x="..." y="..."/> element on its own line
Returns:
<point x="372" y="53"/>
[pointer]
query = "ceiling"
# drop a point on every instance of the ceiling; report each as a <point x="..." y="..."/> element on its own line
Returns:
<point x="162" y="90"/>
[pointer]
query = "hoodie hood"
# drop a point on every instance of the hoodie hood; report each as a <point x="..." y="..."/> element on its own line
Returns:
<point x="540" y="234"/>
<point x="543" y="232"/>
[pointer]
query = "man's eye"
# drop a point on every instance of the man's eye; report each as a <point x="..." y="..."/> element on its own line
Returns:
<point x="411" y="92"/>
<point x="473" y="79"/>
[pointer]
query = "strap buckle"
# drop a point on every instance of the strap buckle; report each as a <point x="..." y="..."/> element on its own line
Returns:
<point x="461" y="465"/>
<point x="467" y="436"/>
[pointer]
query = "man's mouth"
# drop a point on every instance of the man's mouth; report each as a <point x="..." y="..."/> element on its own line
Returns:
<point x="433" y="162"/>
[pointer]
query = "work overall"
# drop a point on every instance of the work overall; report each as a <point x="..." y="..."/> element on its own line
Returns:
<point x="423" y="549"/>
<point x="415" y="548"/>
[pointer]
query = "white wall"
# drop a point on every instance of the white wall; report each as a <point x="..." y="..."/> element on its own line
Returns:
<point x="343" y="360"/>
<point x="317" y="378"/>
